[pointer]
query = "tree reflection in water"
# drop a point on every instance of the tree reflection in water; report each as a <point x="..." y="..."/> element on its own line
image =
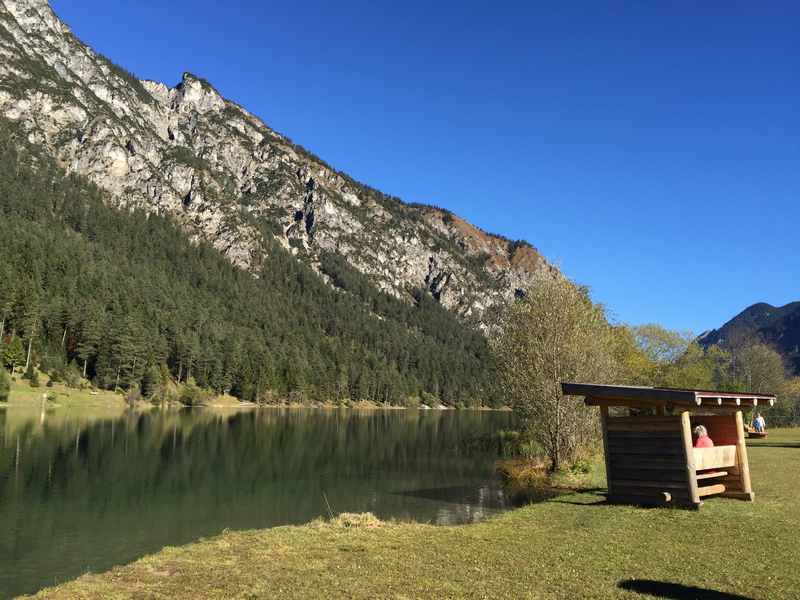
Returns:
<point x="86" y="492"/>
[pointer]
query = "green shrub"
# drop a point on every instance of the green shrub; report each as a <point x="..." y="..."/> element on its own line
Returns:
<point x="71" y="375"/>
<point x="580" y="466"/>
<point x="193" y="395"/>
<point x="29" y="373"/>
<point x="411" y="402"/>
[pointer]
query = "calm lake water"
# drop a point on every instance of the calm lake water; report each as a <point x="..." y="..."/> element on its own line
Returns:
<point x="82" y="493"/>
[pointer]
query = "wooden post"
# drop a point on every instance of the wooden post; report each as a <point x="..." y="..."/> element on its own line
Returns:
<point x="741" y="460"/>
<point x="688" y="447"/>
<point x="606" y="449"/>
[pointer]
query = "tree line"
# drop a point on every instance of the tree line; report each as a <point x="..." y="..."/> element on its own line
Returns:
<point x="557" y="333"/>
<point x="125" y="300"/>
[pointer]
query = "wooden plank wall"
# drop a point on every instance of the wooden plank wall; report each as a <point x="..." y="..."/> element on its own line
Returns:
<point x="646" y="460"/>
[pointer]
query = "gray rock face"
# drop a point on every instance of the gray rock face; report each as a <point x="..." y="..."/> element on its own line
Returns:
<point x="227" y="178"/>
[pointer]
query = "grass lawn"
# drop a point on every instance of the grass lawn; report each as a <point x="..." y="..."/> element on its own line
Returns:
<point x="23" y="395"/>
<point x="573" y="546"/>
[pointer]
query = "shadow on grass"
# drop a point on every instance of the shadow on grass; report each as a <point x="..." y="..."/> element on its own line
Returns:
<point x="598" y="498"/>
<point x="775" y="445"/>
<point x="675" y="591"/>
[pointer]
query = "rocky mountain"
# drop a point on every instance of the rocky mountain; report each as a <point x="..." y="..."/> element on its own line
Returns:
<point x="230" y="180"/>
<point x="777" y="326"/>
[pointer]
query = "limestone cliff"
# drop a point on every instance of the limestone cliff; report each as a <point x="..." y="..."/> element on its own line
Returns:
<point x="229" y="179"/>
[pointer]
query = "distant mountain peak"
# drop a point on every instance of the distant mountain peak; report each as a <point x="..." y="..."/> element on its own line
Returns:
<point x="778" y="326"/>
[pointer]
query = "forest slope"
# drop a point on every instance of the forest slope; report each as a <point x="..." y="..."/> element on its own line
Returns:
<point x="130" y="299"/>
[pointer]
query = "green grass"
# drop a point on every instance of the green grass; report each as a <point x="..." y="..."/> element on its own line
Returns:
<point x="573" y="546"/>
<point x="23" y="395"/>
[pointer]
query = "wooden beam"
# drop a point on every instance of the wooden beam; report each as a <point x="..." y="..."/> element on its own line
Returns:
<point x="708" y="490"/>
<point x="648" y="463"/>
<point x="606" y="448"/>
<point x="661" y="485"/>
<point x="688" y="453"/>
<point x="741" y="455"/>
<point x="654" y="395"/>
<point x="623" y="392"/>
<point x="644" y="423"/>
<point x="711" y="475"/>
<point x="671" y="475"/>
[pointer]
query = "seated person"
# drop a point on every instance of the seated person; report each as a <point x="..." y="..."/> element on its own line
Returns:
<point x="701" y="439"/>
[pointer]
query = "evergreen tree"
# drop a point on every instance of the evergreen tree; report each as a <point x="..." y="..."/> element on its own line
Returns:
<point x="89" y="340"/>
<point x="31" y="375"/>
<point x="14" y="354"/>
<point x="5" y="386"/>
<point x="151" y="380"/>
<point x="7" y="296"/>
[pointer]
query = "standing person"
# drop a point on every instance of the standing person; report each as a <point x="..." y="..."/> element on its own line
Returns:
<point x="759" y="423"/>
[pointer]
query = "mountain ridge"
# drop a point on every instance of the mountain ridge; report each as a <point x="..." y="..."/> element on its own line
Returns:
<point x="228" y="179"/>
<point x="777" y="326"/>
<point x="124" y="300"/>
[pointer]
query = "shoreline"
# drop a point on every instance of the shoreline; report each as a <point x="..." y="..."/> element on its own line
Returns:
<point x="25" y="396"/>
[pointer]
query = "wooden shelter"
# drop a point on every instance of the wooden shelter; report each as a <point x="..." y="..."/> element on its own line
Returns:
<point x="650" y="456"/>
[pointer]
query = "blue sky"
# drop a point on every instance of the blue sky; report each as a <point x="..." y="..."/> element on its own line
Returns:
<point x="651" y="150"/>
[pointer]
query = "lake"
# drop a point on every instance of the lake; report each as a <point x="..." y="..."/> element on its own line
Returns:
<point x="83" y="492"/>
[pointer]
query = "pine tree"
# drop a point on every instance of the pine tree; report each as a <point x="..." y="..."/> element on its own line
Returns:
<point x="151" y="380"/>
<point x="90" y="332"/>
<point x="14" y="354"/>
<point x="31" y="318"/>
<point x="5" y="386"/>
<point x="7" y="296"/>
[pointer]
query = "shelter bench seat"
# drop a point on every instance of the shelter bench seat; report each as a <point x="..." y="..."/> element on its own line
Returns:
<point x="708" y="462"/>
<point x="649" y="453"/>
<point x="718" y="457"/>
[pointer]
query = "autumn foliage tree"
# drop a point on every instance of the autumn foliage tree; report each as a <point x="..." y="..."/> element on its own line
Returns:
<point x="554" y="334"/>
